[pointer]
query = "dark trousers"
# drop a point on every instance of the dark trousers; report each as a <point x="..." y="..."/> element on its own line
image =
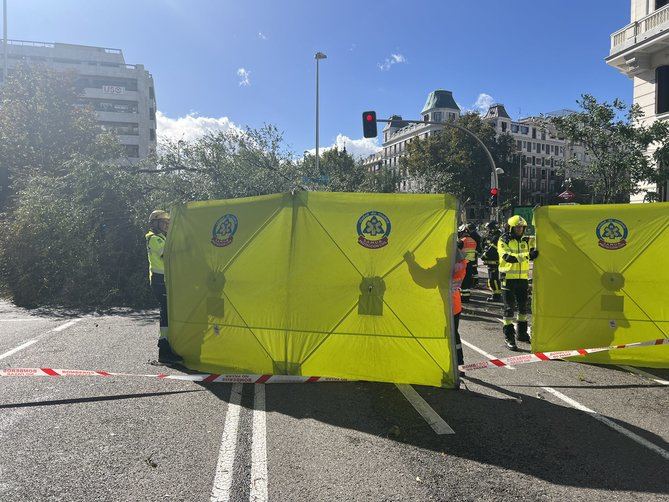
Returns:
<point x="514" y="293"/>
<point x="494" y="282"/>
<point x="458" y="342"/>
<point x="160" y="292"/>
<point x="468" y="281"/>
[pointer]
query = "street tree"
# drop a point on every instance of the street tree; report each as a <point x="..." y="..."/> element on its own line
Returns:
<point x="454" y="162"/>
<point x="617" y="144"/>
<point x="43" y="125"/>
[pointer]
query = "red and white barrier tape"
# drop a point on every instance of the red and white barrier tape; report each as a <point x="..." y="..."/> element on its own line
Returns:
<point x="548" y="356"/>
<point x="244" y="378"/>
<point x="200" y="377"/>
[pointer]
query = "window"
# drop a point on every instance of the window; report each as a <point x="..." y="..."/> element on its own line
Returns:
<point x="451" y="117"/>
<point x="152" y="94"/>
<point x="131" y="151"/>
<point x="524" y="130"/>
<point x="152" y="114"/>
<point x="529" y="146"/>
<point x="534" y="133"/>
<point x="543" y="135"/>
<point x="660" y="3"/>
<point x="662" y="89"/>
<point x="503" y="126"/>
<point x="152" y="134"/>
<point x="515" y="128"/>
<point x="426" y="117"/>
<point x="538" y="147"/>
<point x="437" y="117"/>
<point x="534" y="161"/>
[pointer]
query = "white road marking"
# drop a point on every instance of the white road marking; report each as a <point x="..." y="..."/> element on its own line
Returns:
<point x="484" y="353"/>
<point x="645" y="374"/>
<point x="15" y="350"/>
<point x="259" y="448"/>
<point x="433" y="419"/>
<point x="67" y="325"/>
<point x="226" y="455"/>
<point x="609" y="423"/>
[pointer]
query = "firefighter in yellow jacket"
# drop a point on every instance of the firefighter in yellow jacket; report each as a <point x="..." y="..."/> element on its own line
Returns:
<point x="159" y="223"/>
<point x="515" y="255"/>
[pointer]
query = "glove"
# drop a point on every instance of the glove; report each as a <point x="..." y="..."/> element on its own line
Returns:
<point x="533" y="254"/>
<point x="510" y="259"/>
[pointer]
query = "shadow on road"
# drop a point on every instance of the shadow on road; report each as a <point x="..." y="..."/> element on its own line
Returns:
<point x="94" y="399"/>
<point x="529" y="435"/>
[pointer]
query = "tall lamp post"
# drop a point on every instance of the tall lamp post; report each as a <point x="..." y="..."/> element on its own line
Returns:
<point x="317" y="57"/>
<point x="4" y="41"/>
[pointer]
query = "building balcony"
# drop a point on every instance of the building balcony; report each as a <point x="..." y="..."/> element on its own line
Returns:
<point x="633" y="46"/>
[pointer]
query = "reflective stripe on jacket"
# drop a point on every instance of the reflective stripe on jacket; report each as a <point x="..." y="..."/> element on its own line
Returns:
<point x="469" y="248"/>
<point x="459" y="272"/>
<point x="516" y="250"/>
<point x="155" y="247"/>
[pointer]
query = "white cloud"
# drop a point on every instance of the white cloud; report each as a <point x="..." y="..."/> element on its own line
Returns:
<point x="262" y="36"/>
<point x="190" y="127"/>
<point x="483" y="102"/>
<point x="392" y="60"/>
<point x="358" y="148"/>
<point x="244" y="77"/>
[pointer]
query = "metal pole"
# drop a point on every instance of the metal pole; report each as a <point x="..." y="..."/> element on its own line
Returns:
<point x="520" y="180"/>
<point x="317" y="168"/>
<point x="4" y="40"/>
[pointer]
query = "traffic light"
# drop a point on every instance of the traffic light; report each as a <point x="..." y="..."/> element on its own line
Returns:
<point x="369" y="124"/>
<point x="494" y="192"/>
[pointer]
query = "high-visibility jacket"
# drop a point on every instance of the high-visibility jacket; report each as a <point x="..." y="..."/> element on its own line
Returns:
<point x="155" y="248"/>
<point x="459" y="272"/>
<point x="469" y="248"/>
<point x="514" y="257"/>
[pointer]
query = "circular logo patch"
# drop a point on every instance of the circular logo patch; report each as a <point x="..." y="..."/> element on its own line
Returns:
<point x="373" y="230"/>
<point x="612" y="234"/>
<point x="224" y="230"/>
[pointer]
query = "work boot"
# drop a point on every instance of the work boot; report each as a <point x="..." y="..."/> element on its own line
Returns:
<point x="165" y="353"/>
<point x="510" y="337"/>
<point x="522" y="332"/>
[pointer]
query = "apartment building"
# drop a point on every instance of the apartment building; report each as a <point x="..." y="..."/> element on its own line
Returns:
<point x="639" y="51"/>
<point x="122" y="95"/>
<point x="543" y="152"/>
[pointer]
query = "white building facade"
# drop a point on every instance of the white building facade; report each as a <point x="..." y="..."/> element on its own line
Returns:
<point x="639" y="50"/>
<point x="540" y="151"/>
<point x="122" y="95"/>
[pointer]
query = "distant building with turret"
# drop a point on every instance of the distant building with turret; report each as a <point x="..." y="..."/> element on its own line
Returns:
<point x="540" y="151"/>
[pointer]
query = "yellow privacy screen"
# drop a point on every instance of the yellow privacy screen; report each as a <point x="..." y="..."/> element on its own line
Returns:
<point x="602" y="279"/>
<point x="315" y="284"/>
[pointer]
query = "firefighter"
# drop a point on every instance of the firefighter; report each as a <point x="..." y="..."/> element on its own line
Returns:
<point x="514" y="267"/>
<point x="459" y="272"/>
<point x="470" y="251"/>
<point x="159" y="223"/>
<point x="490" y="258"/>
<point x="473" y="233"/>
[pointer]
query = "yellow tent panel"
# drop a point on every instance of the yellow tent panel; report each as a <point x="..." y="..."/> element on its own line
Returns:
<point x="602" y="279"/>
<point x="314" y="284"/>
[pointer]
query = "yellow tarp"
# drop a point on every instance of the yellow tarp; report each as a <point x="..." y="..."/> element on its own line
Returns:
<point x="602" y="278"/>
<point x="315" y="284"/>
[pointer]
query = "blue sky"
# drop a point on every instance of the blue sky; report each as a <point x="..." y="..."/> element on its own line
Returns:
<point x="532" y="55"/>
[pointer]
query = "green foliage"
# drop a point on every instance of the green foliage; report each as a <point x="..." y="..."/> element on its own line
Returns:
<point x="77" y="239"/>
<point x="617" y="143"/>
<point x="454" y="162"/>
<point x="338" y="172"/>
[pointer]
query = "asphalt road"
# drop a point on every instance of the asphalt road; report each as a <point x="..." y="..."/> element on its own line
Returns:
<point x="519" y="433"/>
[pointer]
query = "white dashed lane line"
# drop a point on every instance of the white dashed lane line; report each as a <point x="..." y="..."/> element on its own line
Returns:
<point x="27" y="344"/>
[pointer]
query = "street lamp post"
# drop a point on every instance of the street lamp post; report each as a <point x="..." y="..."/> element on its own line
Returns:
<point x="317" y="57"/>
<point x="4" y="41"/>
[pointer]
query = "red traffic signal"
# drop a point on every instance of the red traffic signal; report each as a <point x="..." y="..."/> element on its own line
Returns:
<point x="369" y="124"/>
<point x="494" y="191"/>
